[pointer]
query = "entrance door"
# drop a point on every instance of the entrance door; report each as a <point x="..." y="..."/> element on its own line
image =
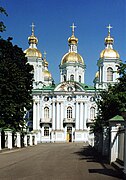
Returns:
<point x="69" y="134"/>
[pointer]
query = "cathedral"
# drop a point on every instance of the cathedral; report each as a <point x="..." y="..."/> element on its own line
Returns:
<point x="64" y="112"/>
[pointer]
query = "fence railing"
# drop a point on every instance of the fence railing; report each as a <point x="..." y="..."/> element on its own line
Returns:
<point x="9" y="139"/>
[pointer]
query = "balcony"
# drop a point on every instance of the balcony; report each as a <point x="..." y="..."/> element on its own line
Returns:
<point x="89" y="122"/>
<point x="69" y="120"/>
<point x="46" y="120"/>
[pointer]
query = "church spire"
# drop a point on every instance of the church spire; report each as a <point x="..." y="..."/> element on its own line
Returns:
<point x="73" y="27"/>
<point x="109" y="40"/>
<point x="33" y="41"/>
<point x="32" y="28"/>
<point x="73" y="40"/>
<point x="109" y="29"/>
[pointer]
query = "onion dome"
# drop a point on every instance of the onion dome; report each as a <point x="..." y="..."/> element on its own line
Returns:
<point x="47" y="75"/>
<point x="32" y="51"/>
<point x="72" y="57"/>
<point x="32" y="39"/>
<point x="109" y="52"/>
<point x="72" y="40"/>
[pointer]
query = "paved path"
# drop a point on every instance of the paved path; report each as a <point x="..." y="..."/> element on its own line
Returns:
<point x="67" y="161"/>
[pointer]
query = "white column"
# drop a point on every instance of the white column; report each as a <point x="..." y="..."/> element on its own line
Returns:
<point x="53" y="117"/>
<point x="38" y="116"/>
<point x="81" y="116"/>
<point x="114" y="144"/>
<point x="57" y="118"/>
<point x="85" y="114"/>
<point x="25" y="141"/>
<point x="100" y="74"/>
<point x="60" y="116"/>
<point x="37" y="72"/>
<point x="77" y="116"/>
<point x="30" y="140"/>
<point x="18" y="139"/>
<point x="10" y="139"/>
<point x="61" y="119"/>
<point x="34" y="115"/>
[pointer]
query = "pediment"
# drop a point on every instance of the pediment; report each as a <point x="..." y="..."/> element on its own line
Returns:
<point x="69" y="86"/>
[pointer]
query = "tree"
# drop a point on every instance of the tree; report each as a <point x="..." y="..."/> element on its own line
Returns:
<point x="15" y="85"/>
<point x="2" y="26"/>
<point x="112" y="101"/>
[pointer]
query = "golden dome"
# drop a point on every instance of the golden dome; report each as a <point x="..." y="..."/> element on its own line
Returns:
<point x="109" y="53"/>
<point x="33" y="52"/>
<point x="73" y="40"/>
<point x="72" y="57"/>
<point x="47" y="74"/>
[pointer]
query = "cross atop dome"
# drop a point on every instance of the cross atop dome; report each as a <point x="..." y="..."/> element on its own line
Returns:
<point x="33" y="26"/>
<point x="45" y="53"/>
<point x="109" y="27"/>
<point x="73" y="28"/>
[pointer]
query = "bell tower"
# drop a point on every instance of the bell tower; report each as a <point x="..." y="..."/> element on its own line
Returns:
<point x="108" y="64"/>
<point x="72" y="67"/>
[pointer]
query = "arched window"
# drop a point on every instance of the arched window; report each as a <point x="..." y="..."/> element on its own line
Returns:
<point x="69" y="112"/>
<point x="72" y="77"/>
<point x="46" y="131"/>
<point x="64" y="77"/>
<point x="79" y="78"/>
<point x="92" y="113"/>
<point x="46" y="112"/>
<point x="109" y="74"/>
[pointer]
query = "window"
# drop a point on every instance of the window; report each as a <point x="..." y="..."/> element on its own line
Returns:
<point x="46" y="131"/>
<point x="46" y="112"/>
<point x="69" y="88"/>
<point x="92" y="113"/>
<point x="109" y="74"/>
<point x="64" y="78"/>
<point x="79" y="78"/>
<point x="69" y="98"/>
<point x="46" y="98"/>
<point x="69" y="112"/>
<point x="72" y="77"/>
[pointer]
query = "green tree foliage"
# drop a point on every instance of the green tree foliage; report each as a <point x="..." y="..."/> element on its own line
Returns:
<point x="15" y="84"/>
<point x="2" y="26"/>
<point x="111" y="102"/>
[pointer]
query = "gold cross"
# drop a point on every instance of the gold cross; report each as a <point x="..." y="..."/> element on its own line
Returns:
<point x="109" y="28"/>
<point x="45" y="54"/>
<point x="32" y="29"/>
<point x="73" y="27"/>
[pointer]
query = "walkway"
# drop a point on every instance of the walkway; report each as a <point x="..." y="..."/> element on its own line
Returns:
<point x="67" y="161"/>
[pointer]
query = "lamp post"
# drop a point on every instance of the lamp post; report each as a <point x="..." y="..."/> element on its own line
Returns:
<point x="124" y="116"/>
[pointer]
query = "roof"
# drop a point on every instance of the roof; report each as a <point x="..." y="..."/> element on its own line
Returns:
<point x="87" y="87"/>
<point x="117" y="118"/>
<point x="83" y="86"/>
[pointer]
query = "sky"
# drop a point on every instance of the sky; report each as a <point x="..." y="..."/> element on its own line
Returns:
<point x="53" y="18"/>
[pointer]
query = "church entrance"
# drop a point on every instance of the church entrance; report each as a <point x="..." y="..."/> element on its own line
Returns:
<point x="69" y="134"/>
